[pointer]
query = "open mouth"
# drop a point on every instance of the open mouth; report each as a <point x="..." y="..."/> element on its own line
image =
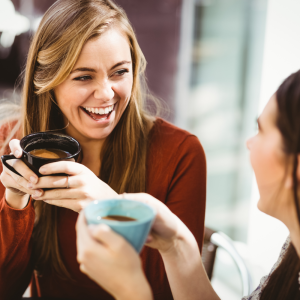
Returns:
<point x="99" y="114"/>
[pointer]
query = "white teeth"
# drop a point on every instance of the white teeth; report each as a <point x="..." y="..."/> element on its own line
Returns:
<point x="100" y="111"/>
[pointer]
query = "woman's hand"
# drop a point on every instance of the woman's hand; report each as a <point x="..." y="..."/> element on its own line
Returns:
<point x="167" y="229"/>
<point x="71" y="191"/>
<point x="111" y="261"/>
<point x="179" y="251"/>
<point x="17" y="191"/>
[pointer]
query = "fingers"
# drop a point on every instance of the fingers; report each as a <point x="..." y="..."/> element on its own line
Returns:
<point x="140" y="197"/>
<point x="56" y="182"/>
<point x="81" y="229"/>
<point x="9" y="183"/>
<point x="81" y="223"/>
<point x="15" y="182"/>
<point x="144" y="198"/>
<point x="22" y="169"/>
<point x="61" y="194"/>
<point x="51" y="182"/>
<point x="86" y="244"/>
<point x="15" y="148"/>
<point x="105" y="235"/>
<point x="68" y="167"/>
<point x="149" y="239"/>
<point x="74" y="205"/>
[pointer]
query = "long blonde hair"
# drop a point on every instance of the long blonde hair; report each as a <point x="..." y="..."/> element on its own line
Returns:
<point x="55" y="48"/>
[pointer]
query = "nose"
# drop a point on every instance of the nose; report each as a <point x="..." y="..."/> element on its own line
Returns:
<point x="249" y="143"/>
<point x="104" y="91"/>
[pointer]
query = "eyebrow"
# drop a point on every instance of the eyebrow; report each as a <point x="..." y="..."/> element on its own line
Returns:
<point x="84" y="69"/>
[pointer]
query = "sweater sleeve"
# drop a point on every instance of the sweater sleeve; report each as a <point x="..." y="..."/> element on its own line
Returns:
<point x="16" y="267"/>
<point x="187" y="190"/>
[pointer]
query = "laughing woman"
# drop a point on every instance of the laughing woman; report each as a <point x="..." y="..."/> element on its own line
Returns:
<point x="84" y="77"/>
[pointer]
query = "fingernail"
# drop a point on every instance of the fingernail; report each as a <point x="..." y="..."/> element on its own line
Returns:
<point x="29" y="186"/>
<point x="103" y="227"/>
<point x="37" y="193"/>
<point x="17" y="153"/>
<point x="33" y="179"/>
<point x="92" y="228"/>
<point x="42" y="170"/>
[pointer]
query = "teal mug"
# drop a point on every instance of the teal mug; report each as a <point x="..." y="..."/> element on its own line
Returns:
<point x="134" y="231"/>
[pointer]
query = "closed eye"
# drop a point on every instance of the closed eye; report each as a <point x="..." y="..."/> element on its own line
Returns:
<point x="83" y="78"/>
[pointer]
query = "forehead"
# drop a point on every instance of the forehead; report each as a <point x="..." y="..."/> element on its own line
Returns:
<point x="110" y="47"/>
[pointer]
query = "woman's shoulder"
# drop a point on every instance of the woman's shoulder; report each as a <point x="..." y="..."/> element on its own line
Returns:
<point x="171" y="137"/>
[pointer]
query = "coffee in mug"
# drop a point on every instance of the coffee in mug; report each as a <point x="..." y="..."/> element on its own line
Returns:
<point x="112" y="210"/>
<point x="50" y="153"/>
<point x="118" y="218"/>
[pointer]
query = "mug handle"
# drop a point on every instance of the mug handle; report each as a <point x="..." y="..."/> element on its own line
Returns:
<point x="4" y="158"/>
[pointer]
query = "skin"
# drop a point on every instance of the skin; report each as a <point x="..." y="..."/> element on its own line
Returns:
<point x="101" y="77"/>
<point x="177" y="246"/>
<point x="101" y="251"/>
<point x="273" y="172"/>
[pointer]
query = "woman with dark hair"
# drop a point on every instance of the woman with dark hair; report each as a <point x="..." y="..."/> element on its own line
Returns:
<point x="275" y="158"/>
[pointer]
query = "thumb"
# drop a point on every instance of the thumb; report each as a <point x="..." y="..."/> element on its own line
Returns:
<point x="15" y="148"/>
<point x="105" y="235"/>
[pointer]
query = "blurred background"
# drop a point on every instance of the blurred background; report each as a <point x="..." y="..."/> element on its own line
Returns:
<point x="215" y="63"/>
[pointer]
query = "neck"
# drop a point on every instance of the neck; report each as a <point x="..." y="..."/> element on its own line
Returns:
<point x="288" y="215"/>
<point x="295" y="238"/>
<point x="292" y="223"/>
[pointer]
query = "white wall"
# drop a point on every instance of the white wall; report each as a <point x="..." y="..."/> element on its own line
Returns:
<point x="281" y="58"/>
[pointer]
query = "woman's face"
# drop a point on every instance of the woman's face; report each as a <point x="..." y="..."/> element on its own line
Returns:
<point x="96" y="93"/>
<point x="268" y="161"/>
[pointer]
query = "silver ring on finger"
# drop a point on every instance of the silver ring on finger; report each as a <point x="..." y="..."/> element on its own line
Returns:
<point x="67" y="182"/>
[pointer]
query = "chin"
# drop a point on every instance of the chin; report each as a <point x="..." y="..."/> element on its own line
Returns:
<point x="260" y="205"/>
<point x="266" y="205"/>
<point x="97" y="135"/>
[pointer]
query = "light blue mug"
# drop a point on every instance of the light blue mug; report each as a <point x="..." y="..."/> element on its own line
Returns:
<point x="135" y="232"/>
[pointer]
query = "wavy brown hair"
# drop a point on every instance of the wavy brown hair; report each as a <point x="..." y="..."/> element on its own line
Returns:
<point x="55" y="48"/>
<point x="283" y="283"/>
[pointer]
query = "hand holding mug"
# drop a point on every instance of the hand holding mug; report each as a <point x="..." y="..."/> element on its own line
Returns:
<point x="167" y="229"/>
<point x="82" y="185"/>
<point x="17" y="191"/>
<point x="21" y="170"/>
<point x="108" y="259"/>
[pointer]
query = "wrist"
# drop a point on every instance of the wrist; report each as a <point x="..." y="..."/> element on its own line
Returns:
<point x="15" y="200"/>
<point x="138" y="288"/>
<point x="183" y="243"/>
<point x="182" y="238"/>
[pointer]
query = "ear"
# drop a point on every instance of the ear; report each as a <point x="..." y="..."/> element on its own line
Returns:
<point x="288" y="183"/>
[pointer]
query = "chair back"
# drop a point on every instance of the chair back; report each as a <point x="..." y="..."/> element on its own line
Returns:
<point x="209" y="252"/>
<point x="213" y="240"/>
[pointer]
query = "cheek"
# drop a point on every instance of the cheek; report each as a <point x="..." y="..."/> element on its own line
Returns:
<point x="123" y="89"/>
<point x="266" y="163"/>
<point x="68" y="95"/>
